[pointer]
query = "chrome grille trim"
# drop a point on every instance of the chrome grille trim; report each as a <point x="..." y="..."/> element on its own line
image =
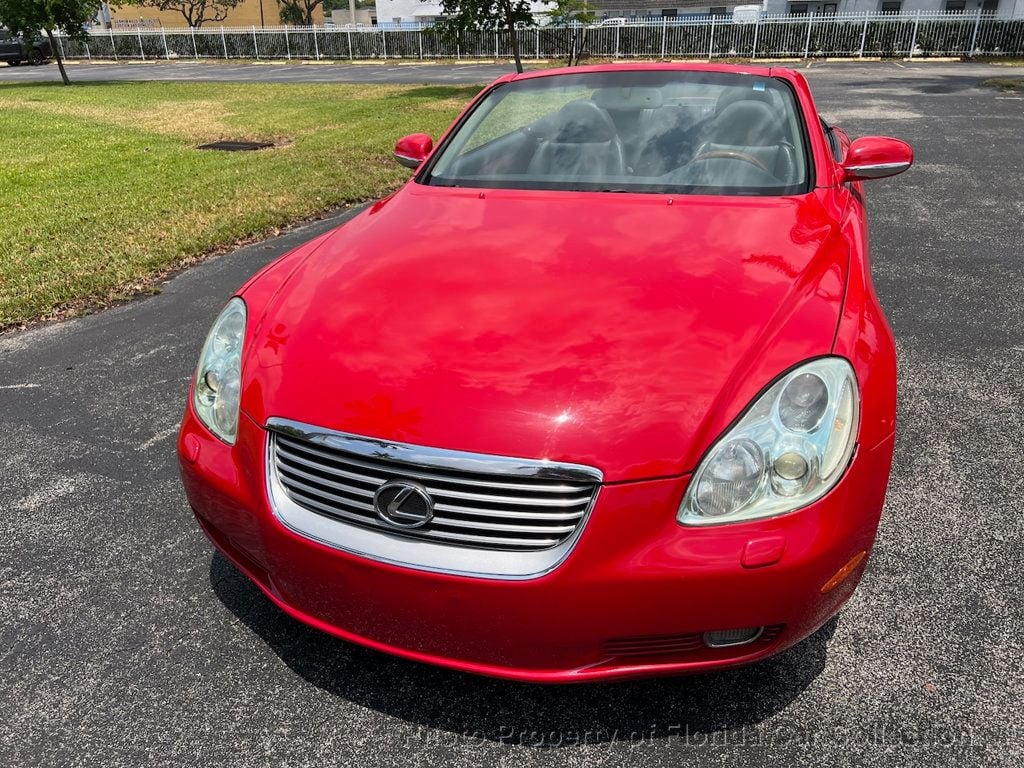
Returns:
<point x="494" y="516"/>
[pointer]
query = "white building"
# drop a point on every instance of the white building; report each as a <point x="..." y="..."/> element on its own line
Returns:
<point x="395" y="13"/>
<point x="1002" y="8"/>
<point x="363" y="17"/>
<point x="410" y="13"/>
<point x="646" y="9"/>
<point x="399" y="13"/>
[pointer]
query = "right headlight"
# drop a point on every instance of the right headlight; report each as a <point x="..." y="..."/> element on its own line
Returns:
<point x="789" y="449"/>
<point x="216" y="393"/>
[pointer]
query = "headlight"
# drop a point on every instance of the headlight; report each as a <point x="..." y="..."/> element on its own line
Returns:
<point x="789" y="449"/>
<point x="218" y="384"/>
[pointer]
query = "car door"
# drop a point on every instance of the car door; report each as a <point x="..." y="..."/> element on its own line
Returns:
<point x="10" y="47"/>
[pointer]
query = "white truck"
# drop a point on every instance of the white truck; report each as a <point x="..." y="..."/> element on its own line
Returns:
<point x="746" y="14"/>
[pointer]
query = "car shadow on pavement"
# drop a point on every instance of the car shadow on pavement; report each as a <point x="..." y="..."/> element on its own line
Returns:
<point x="485" y="709"/>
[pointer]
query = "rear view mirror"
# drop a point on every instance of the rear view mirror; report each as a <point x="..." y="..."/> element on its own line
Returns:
<point x="875" y="157"/>
<point x="412" y="150"/>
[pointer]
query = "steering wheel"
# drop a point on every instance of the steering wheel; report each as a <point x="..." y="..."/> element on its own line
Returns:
<point x="730" y="154"/>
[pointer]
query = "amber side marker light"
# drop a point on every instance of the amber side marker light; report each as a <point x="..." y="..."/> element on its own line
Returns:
<point x="843" y="572"/>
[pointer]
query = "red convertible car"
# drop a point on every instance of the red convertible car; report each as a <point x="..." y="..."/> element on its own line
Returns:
<point x="603" y="391"/>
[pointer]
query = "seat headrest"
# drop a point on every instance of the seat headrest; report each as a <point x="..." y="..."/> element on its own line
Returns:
<point x="582" y="122"/>
<point x="627" y="99"/>
<point x="747" y="123"/>
<point x="734" y="93"/>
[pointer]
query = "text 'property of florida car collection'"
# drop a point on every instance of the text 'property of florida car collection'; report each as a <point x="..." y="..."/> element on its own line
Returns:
<point x="603" y="391"/>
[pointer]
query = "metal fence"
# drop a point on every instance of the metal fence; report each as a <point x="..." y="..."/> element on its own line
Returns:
<point x="810" y="36"/>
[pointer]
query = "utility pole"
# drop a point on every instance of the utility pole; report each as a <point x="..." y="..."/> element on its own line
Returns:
<point x="352" y="11"/>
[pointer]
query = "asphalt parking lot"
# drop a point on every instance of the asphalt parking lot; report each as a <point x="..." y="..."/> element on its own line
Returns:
<point x="124" y="640"/>
<point x="417" y="73"/>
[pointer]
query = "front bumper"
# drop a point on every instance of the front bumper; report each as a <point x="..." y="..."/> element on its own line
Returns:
<point x="633" y="598"/>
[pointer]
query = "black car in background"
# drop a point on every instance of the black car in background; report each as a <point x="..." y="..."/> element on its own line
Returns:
<point x="14" y="49"/>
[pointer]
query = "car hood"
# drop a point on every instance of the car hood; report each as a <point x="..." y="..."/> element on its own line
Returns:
<point x="619" y="331"/>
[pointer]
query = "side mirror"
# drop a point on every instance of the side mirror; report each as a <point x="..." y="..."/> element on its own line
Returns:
<point x="412" y="150"/>
<point x="875" y="157"/>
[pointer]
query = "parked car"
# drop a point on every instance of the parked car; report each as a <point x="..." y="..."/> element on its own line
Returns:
<point x="603" y="391"/>
<point x="615" y="21"/>
<point x="14" y="49"/>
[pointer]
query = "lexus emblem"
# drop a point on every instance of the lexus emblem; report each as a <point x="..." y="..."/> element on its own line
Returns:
<point x="403" y="504"/>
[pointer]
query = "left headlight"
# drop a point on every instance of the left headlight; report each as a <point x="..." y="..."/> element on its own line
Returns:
<point x="788" y="450"/>
<point x="218" y="385"/>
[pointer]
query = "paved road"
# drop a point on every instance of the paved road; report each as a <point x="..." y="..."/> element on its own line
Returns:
<point x="415" y="73"/>
<point x="125" y="641"/>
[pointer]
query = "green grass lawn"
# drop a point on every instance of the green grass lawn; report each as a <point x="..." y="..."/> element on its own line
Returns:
<point x="101" y="187"/>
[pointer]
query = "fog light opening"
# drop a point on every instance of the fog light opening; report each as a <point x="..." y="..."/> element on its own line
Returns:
<point x="725" y="638"/>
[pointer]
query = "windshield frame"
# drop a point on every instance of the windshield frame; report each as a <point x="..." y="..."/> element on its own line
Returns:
<point x="424" y="175"/>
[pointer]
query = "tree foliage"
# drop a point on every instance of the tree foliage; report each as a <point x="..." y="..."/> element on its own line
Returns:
<point x="298" y="12"/>
<point x="466" y="15"/>
<point x="573" y="17"/>
<point x="195" y="12"/>
<point x="570" y="11"/>
<point x="30" y="17"/>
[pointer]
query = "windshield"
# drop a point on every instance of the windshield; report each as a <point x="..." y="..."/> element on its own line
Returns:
<point x="631" y="131"/>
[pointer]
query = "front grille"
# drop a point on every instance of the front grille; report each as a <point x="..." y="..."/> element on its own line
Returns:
<point x="654" y="644"/>
<point x="657" y="645"/>
<point x="506" y="508"/>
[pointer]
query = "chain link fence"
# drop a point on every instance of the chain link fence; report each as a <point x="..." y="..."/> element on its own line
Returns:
<point x="838" y="35"/>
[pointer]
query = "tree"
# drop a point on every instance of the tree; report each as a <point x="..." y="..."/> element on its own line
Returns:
<point x="465" y="15"/>
<point x="29" y="17"/>
<point x="195" y="12"/>
<point x="298" y="12"/>
<point x="565" y="12"/>
<point x="575" y="14"/>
